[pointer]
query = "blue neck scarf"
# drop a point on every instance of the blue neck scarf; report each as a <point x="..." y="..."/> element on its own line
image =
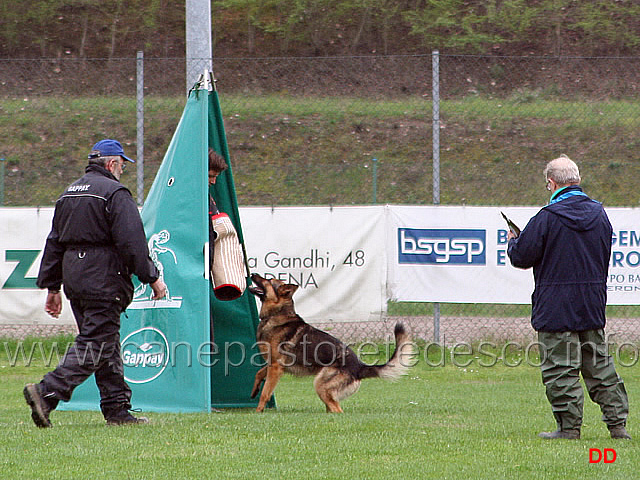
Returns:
<point x="558" y="196"/>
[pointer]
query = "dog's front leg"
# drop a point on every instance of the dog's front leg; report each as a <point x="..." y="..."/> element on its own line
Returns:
<point x="260" y="376"/>
<point x="274" y="372"/>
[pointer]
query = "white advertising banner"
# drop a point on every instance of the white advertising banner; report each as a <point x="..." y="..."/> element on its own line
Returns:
<point x="459" y="254"/>
<point x="348" y="261"/>
<point x="23" y="232"/>
<point x="335" y="254"/>
<point x="454" y="254"/>
<point x="623" y="284"/>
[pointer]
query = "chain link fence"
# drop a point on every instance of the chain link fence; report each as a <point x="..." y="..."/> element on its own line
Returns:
<point x="348" y="130"/>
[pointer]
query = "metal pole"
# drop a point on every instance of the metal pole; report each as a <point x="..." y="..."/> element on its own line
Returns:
<point x="1" y="181"/>
<point x="198" y="39"/>
<point x="375" y="180"/>
<point x="140" y="126"/>
<point x="436" y="126"/>
<point x="435" y="80"/>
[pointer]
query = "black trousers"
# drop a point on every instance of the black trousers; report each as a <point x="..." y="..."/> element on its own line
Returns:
<point x="96" y="350"/>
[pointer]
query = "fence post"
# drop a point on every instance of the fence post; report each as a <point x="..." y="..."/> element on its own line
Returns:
<point x="375" y="180"/>
<point x="435" y="126"/>
<point x="140" y="126"/>
<point x="1" y="181"/>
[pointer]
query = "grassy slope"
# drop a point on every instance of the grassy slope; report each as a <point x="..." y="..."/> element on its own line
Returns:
<point x="290" y="150"/>
<point x="439" y="422"/>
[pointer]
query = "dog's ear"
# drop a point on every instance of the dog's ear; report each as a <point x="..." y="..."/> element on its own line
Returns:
<point x="287" y="290"/>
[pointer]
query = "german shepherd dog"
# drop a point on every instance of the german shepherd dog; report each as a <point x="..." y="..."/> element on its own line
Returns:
<point x="289" y="344"/>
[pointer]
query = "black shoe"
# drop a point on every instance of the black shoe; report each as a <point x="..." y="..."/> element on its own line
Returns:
<point x="563" y="434"/>
<point x="40" y="409"/>
<point x="125" y="418"/>
<point x="619" y="433"/>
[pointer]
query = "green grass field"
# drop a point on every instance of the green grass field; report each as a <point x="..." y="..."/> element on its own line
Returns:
<point x="440" y="422"/>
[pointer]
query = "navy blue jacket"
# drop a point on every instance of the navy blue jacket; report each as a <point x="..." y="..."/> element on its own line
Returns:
<point x="568" y="244"/>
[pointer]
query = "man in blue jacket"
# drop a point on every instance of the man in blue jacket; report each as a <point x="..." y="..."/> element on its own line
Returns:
<point x="568" y="244"/>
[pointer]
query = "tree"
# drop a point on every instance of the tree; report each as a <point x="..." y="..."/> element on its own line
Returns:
<point x="608" y="27"/>
<point x="511" y="20"/>
<point x="40" y="17"/>
<point x="387" y="14"/>
<point x="9" y="27"/>
<point x="552" y="23"/>
<point x="451" y="24"/>
<point x="95" y="28"/>
<point x="251" y="10"/>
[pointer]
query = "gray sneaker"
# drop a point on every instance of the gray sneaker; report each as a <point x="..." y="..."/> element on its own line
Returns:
<point x="40" y="409"/>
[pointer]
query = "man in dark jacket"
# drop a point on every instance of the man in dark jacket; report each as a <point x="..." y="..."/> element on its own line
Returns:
<point x="96" y="242"/>
<point x="568" y="244"/>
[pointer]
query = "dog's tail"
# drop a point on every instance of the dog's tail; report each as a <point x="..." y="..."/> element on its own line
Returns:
<point x="400" y="361"/>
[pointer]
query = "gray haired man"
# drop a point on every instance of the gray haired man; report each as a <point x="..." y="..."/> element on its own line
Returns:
<point x="568" y="244"/>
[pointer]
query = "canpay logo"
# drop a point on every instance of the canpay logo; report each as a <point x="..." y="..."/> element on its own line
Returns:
<point x="145" y="355"/>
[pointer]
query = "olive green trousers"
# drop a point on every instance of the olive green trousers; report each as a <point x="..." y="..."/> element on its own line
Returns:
<point x="563" y="356"/>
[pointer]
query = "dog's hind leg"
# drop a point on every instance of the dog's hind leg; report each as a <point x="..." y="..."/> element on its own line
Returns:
<point x="332" y="386"/>
<point x="329" y="399"/>
<point x="273" y="374"/>
<point x="349" y="387"/>
<point x="260" y="376"/>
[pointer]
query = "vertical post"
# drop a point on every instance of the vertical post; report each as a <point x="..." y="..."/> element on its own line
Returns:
<point x="1" y="181"/>
<point x="140" y="126"/>
<point x="198" y="39"/>
<point x="436" y="125"/>
<point x="375" y="180"/>
<point x="435" y="81"/>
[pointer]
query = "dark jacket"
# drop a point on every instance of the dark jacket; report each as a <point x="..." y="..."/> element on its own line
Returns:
<point x="96" y="241"/>
<point x="568" y="244"/>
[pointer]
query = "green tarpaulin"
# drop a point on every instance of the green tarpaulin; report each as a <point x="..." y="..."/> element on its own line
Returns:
<point x="169" y="358"/>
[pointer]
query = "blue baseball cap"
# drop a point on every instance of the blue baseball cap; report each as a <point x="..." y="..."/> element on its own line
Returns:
<point x="108" y="148"/>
